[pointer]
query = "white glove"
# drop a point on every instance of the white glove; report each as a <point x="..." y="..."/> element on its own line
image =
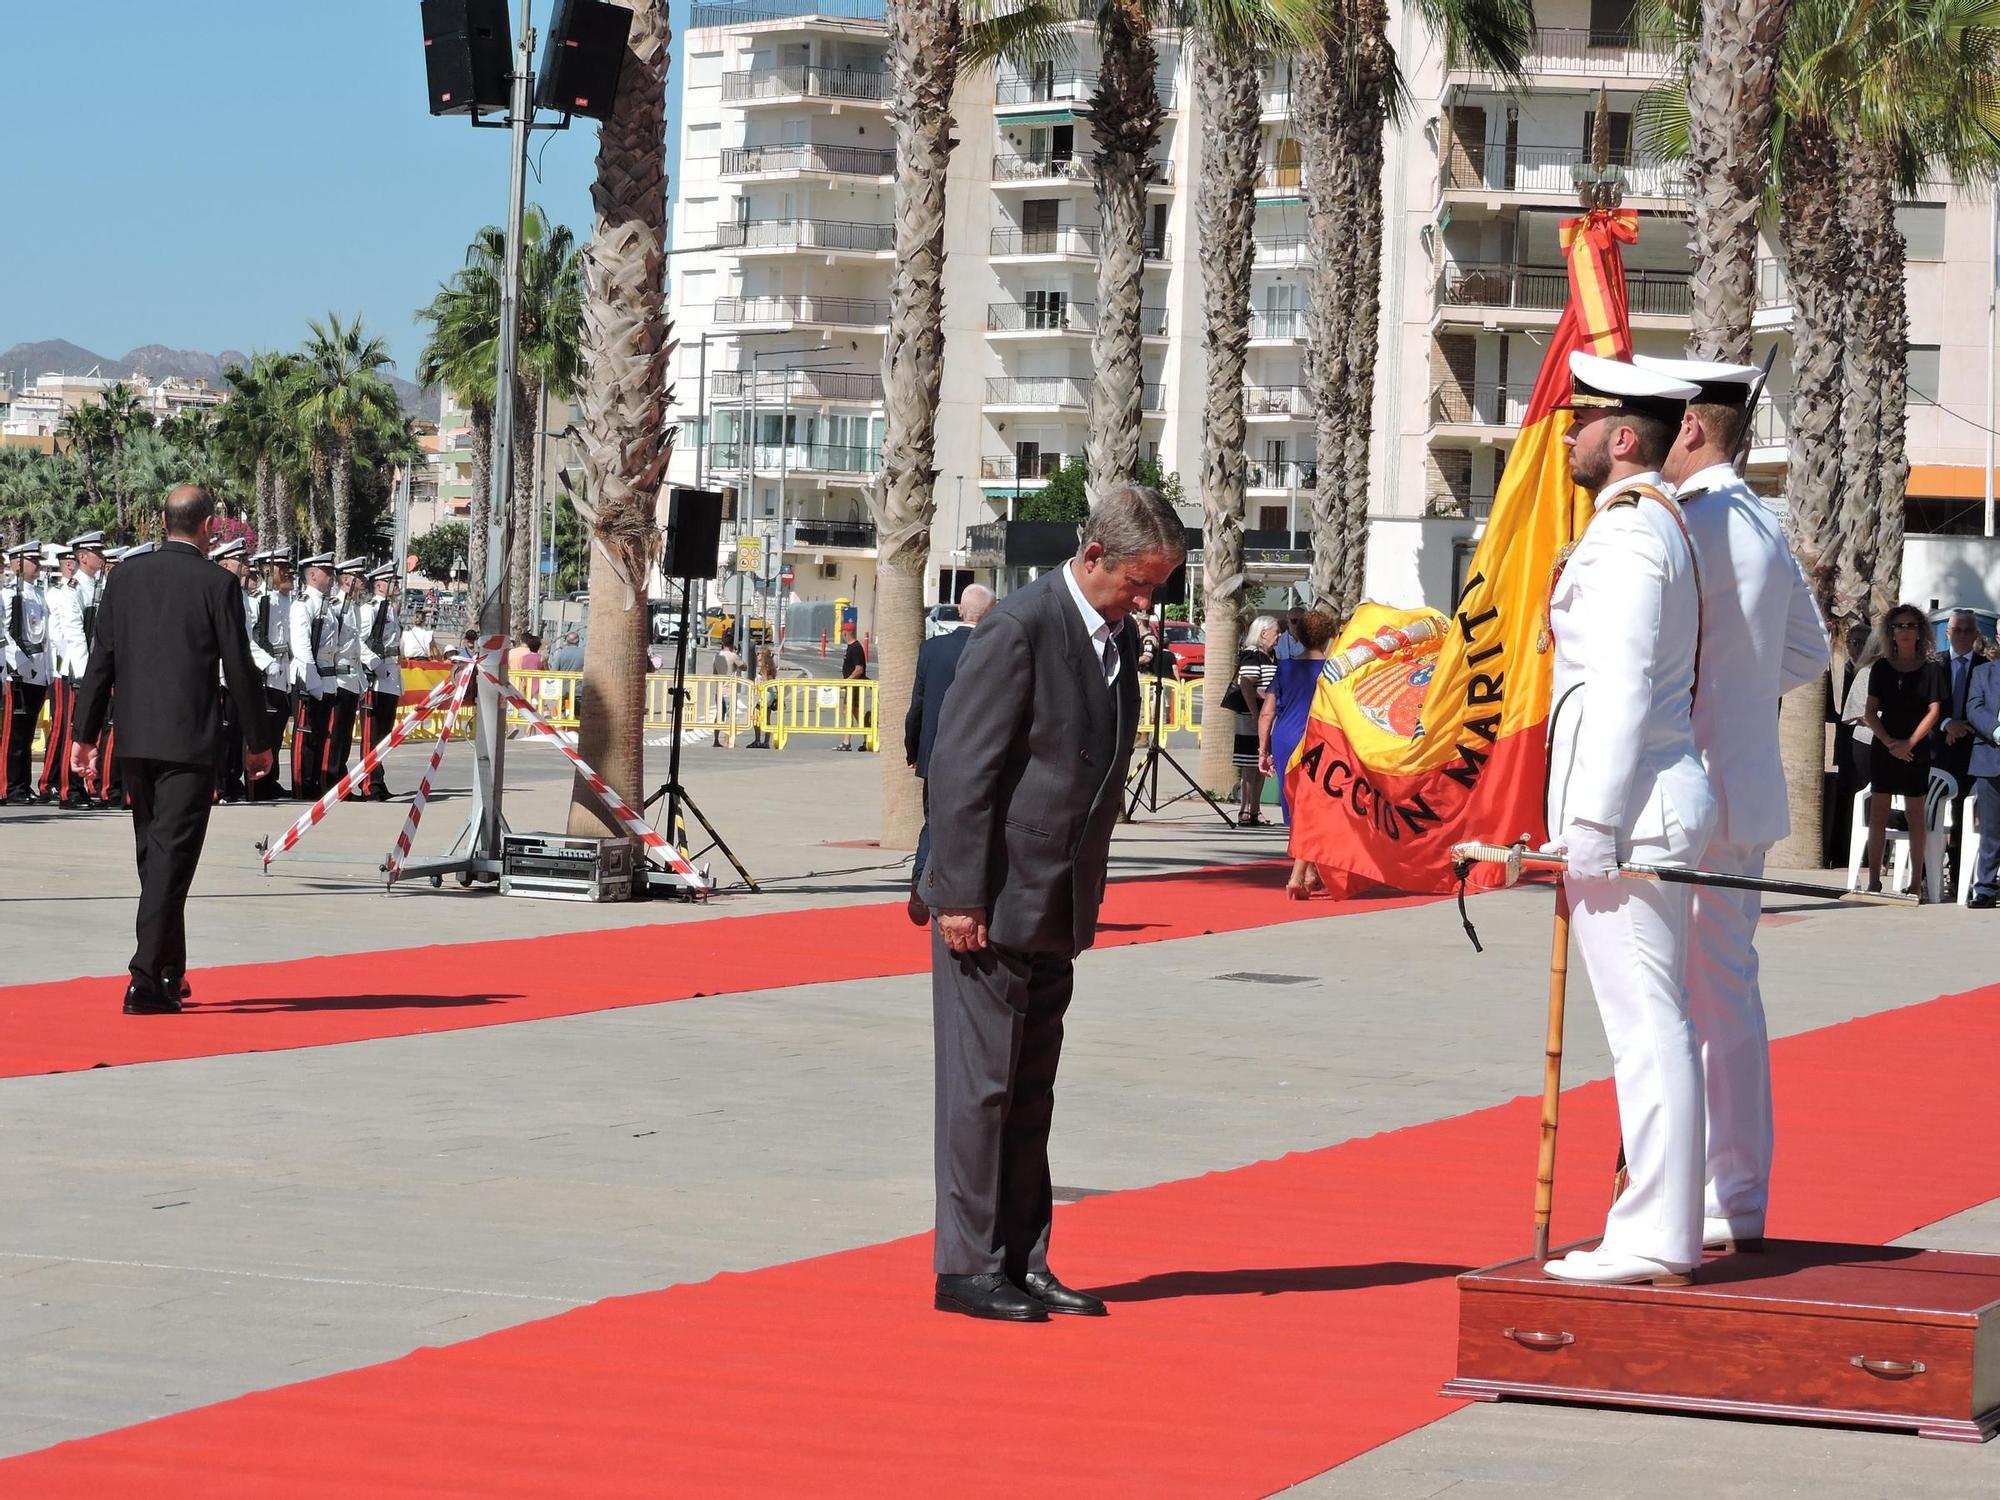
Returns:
<point x="1591" y="849"/>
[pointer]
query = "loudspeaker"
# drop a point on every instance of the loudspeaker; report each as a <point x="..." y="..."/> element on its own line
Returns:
<point x="581" y="61"/>
<point x="694" y="532"/>
<point x="467" y="52"/>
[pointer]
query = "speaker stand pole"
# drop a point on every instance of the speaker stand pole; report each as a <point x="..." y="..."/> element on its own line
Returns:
<point x="676" y="794"/>
<point x="1149" y="771"/>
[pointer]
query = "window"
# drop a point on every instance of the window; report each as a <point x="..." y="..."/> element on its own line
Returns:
<point x="1922" y="228"/>
<point x="704" y="142"/>
<point x="1611" y="22"/>
<point x="704" y="70"/>
<point x="1923" y="368"/>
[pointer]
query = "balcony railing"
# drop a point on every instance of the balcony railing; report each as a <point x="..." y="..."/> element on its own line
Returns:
<point x="1059" y="392"/>
<point x="1774" y="287"/>
<point x="1289" y="177"/>
<point x="1066" y="317"/>
<point x="1277" y="323"/>
<point x="1550" y="169"/>
<point x="1277" y="98"/>
<point x="773" y="388"/>
<point x="1005" y="466"/>
<point x="1291" y="474"/>
<point x="1771" y="427"/>
<point x="1450" y="504"/>
<point x="1013" y="167"/>
<point x="1290" y="251"/>
<point x="802" y="81"/>
<point x="844" y="312"/>
<point x="1483" y="403"/>
<point x="1663" y="294"/>
<point x="805" y="234"/>
<point x="1069" y="86"/>
<point x="1609" y="53"/>
<point x="813" y="532"/>
<point x="761" y="161"/>
<point x="749" y="12"/>
<point x="1066" y="239"/>
<point x="1276" y="401"/>
<point x="797" y="458"/>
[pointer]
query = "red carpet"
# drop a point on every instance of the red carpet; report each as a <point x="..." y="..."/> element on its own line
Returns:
<point x="77" y="1023"/>
<point x="1268" y="1323"/>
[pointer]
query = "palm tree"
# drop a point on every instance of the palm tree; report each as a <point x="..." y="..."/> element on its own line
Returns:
<point x="550" y="362"/>
<point x="246" y="430"/>
<point x="1231" y="98"/>
<point x="124" y="415"/>
<point x="342" y="390"/>
<point x="463" y="354"/>
<point x="625" y="395"/>
<point x="1349" y="87"/>
<point x="87" y="429"/>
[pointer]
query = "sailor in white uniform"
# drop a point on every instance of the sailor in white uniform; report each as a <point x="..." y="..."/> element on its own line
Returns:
<point x="313" y="631"/>
<point x="270" y="620"/>
<point x="26" y="665"/>
<point x="1762" y="636"/>
<point x="352" y="681"/>
<point x="381" y="662"/>
<point x="1626" y="783"/>
<point x="72" y="627"/>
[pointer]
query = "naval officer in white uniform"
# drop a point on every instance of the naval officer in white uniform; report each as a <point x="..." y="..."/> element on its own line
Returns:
<point x="1762" y="636"/>
<point x="1626" y="783"/>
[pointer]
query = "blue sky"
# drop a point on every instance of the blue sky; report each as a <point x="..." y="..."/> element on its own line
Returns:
<point x="208" y="174"/>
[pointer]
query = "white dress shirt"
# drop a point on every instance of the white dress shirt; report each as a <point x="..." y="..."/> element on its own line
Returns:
<point x="1101" y="632"/>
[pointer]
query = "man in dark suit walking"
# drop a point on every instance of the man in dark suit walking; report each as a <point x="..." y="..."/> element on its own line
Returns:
<point x="167" y="620"/>
<point x="937" y="664"/>
<point x="1025" y="785"/>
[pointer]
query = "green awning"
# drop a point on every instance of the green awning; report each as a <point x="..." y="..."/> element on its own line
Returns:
<point x="1047" y="117"/>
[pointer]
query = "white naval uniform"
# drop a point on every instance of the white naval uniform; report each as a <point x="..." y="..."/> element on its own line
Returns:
<point x="1762" y="636"/>
<point x="347" y="645"/>
<point x="271" y="649"/>
<point x="28" y="658"/>
<point x="312" y="673"/>
<point x="1625" y="618"/>
<point x="67" y="636"/>
<point x="384" y="668"/>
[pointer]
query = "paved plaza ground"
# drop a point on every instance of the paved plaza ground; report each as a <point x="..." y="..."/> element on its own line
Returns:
<point x="180" y="1233"/>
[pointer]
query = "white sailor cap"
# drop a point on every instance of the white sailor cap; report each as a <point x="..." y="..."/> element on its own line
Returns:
<point x="64" y="551"/>
<point x="139" y="551"/>
<point x="27" y="549"/>
<point x="1600" y="384"/>
<point x="1717" y="384"/>
<point x="317" y="560"/>
<point x="222" y="550"/>
<point x="90" y="541"/>
<point x="353" y="565"/>
<point x="387" y="570"/>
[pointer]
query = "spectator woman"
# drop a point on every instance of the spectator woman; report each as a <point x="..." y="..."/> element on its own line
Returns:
<point x="1906" y="695"/>
<point x="764" y="703"/>
<point x="1255" y="668"/>
<point x="1281" y="723"/>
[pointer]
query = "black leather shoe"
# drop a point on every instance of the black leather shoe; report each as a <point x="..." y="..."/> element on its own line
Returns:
<point x="1983" y="903"/>
<point x="991" y="1296"/>
<point x="143" y="999"/>
<point x="176" y="984"/>
<point x="1057" y="1298"/>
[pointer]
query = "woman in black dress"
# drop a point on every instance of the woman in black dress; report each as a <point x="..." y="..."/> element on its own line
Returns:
<point x="1906" y="694"/>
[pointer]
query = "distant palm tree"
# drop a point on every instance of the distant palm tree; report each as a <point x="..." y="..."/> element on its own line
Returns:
<point x="246" y="433"/>
<point x="124" y="415"/>
<point x="87" y="429"/>
<point x="340" y="390"/>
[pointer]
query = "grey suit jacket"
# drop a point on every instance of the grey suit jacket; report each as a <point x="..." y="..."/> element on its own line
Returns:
<point x="1982" y="712"/>
<point x="1027" y="772"/>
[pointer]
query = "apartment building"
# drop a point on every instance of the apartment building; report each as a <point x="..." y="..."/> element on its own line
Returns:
<point x="783" y="244"/>
<point x="36" y="411"/>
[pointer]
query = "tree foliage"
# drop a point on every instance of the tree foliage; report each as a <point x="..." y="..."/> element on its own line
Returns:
<point x="441" y="550"/>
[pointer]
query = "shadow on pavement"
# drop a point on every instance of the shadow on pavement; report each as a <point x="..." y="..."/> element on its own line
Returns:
<point x="257" y="1007"/>
<point x="1270" y="1281"/>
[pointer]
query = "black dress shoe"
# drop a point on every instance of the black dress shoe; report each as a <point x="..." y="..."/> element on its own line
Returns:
<point x="143" y="999"/>
<point x="1057" y="1298"/>
<point x="1983" y="903"/>
<point x="990" y="1296"/>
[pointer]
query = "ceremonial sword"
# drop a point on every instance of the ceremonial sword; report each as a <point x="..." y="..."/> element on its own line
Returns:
<point x="1518" y="856"/>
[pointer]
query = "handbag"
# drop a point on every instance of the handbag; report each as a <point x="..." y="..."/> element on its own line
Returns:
<point x="1232" y="701"/>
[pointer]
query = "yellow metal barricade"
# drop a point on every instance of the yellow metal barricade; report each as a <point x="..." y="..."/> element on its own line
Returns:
<point x="818" y="705"/>
<point x="1180" y="710"/>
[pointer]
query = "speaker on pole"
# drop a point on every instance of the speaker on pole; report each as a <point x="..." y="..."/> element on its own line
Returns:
<point x="694" y="532"/>
<point x="582" y="58"/>
<point x="468" y="49"/>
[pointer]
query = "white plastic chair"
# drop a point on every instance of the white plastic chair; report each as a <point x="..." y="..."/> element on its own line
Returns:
<point x="1968" y="846"/>
<point x="1895" y="848"/>
<point x="1937" y="815"/>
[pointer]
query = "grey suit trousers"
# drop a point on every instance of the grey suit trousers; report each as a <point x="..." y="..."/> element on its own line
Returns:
<point x="999" y="1026"/>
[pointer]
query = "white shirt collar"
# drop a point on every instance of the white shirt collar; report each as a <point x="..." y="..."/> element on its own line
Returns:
<point x="1714" y="477"/>
<point x="1651" y="476"/>
<point x="1094" y="623"/>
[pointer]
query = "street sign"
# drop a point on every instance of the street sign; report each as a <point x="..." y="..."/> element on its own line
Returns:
<point x="788" y="578"/>
<point x="738" y="589"/>
<point x="749" y="554"/>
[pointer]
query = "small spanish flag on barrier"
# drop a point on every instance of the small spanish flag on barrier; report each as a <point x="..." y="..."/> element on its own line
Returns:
<point x="1425" y="731"/>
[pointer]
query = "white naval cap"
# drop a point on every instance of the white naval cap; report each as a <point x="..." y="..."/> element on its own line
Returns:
<point x="90" y="541"/>
<point x="1716" y="384"/>
<point x="317" y="560"/>
<point x="27" y="549"/>
<point x="1600" y="384"/>
<point x="231" y="548"/>
<point x="387" y="570"/>
<point x="353" y="565"/>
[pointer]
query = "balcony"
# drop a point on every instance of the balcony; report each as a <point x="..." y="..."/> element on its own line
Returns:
<point x="1277" y="98"/>
<point x="1541" y="289"/>
<point x="1063" y="317"/>
<point x="1292" y="474"/>
<point x="750" y="12"/>
<point x="1277" y="323"/>
<point x="1069" y="86"/>
<point x="1280" y="254"/>
<point x="1283" y="402"/>
<point x="1451" y="505"/>
<point x="1006" y="468"/>
<point x="809" y="157"/>
<point x="803" y="386"/>
<point x="1587" y="53"/>
<point x="800" y="81"/>
<point x="1550" y="171"/>
<point x="1056" y="393"/>
<point x="1774" y="287"/>
<point x="1019" y="544"/>
<point x="793" y="458"/>
<point x="1076" y="241"/>
<point x="1013" y="167"/>
<point x="808" y="533"/>
<point x="1281" y="178"/>
<point x="807" y="311"/>
<point x="1482" y="404"/>
<point x="1771" y="431"/>
<point x="838" y="236"/>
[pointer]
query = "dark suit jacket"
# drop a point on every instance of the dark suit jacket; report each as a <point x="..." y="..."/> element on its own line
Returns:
<point x="1982" y="712"/>
<point x="167" y="619"/>
<point x="937" y="664"/>
<point x="1028" y="770"/>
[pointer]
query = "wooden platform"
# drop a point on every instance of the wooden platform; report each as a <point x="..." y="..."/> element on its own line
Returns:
<point x="1804" y="1332"/>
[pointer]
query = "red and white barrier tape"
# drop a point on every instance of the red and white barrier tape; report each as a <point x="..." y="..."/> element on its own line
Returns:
<point x="463" y="682"/>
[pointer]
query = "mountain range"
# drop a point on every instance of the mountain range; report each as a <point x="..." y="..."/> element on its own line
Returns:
<point x="24" y="361"/>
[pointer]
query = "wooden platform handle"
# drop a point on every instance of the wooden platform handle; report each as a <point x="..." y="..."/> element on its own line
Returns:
<point x="1536" y="1340"/>
<point x="1896" y="1369"/>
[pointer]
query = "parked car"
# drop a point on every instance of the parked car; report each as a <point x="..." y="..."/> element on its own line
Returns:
<point x="1989" y="622"/>
<point x="1190" y="649"/>
<point x="721" y="621"/>
<point x="942" y="619"/>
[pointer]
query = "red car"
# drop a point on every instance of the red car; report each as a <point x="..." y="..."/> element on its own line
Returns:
<point x="1189" y="649"/>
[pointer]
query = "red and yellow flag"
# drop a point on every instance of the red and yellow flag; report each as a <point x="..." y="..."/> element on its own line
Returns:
<point x="1427" y="730"/>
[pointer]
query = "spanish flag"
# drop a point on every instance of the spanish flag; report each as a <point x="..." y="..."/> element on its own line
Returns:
<point x="1426" y="730"/>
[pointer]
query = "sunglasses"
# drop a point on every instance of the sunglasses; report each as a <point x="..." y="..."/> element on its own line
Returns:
<point x="1903" y="625"/>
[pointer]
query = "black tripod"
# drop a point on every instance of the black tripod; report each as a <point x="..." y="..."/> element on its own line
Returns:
<point x="1145" y="780"/>
<point x="671" y="789"/>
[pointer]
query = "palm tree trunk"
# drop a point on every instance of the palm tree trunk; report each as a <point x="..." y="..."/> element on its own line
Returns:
<point x="1231" y="99"/>
<point x="1874" y="465"/>
<point x="261" y="487"/>
<point x="343" y="497"/>
<point x="1731" y="91"/>
<point x="479" y="512"/>
<point x="527" y="422"/>
<point x="1372" y="67"/>
<point x="285" y="510"/>
<point x="1125" y="114"/>
<point x="923" y="68"/>
<point x="627" y="389"/>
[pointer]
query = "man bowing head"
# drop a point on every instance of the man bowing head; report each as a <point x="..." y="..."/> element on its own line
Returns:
<point x="1025" y="780"/>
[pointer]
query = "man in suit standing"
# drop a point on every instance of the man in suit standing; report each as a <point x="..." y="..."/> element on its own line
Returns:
<point x="937" y="664"/>
<point x="1952" y="740"/>
<point x="1026" y="778"/>
<point x="167" y="622"/>
<point x="1982" y="717"/>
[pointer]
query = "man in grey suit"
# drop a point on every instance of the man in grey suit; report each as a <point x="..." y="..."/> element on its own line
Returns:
<point x="1025" y="784"/>
<point x="1982" y="714"/>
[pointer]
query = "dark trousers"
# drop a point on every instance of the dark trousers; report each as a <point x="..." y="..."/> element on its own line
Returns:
<point x="340" y="735"/>
<point x="378" y="721"/>
<point x="277" y="709"/>
<point x="1986" y="875"/>
<point x="999" y="1029"/>
<point x="24" y="707"/>
<point x="1957" y="759"/>
<point x="229" y="773"/>
<point x="923" y="856"/>
<point x="170" y="804"/>
<point x="58" y="782"/>
<point x="309" y="743"/>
